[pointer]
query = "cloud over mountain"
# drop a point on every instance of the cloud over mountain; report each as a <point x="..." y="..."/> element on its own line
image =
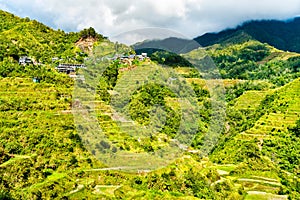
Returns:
<point x="189" y="17"/>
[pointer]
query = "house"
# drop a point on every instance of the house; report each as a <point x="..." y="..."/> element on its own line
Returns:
<point x="55" y="59"/>
<point x="143" y="56"/>
<point x="66" y="68"/>
<point x="140" y="57"/>
<point x="69" y="68"/>
<point x="36" y="80"/>
<point x="24" y="60"/>
<point x="124" y="57"/>
<point x="132" y="56"/>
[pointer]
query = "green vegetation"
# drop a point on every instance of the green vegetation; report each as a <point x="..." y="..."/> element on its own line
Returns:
<point x="38" y="138"/>
<point x="90" y="32"/>
<point x="255" y="61"/>
<point x="25" y="37"/>
<point x="283" y="35"/>
<point x="262" y="136"/>
<point x="170" y="59"/>
<point x="44" y="155"/>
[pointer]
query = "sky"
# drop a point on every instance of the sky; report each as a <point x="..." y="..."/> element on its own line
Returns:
<point x="188" y="18"/>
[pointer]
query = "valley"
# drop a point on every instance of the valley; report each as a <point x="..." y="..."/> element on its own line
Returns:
<point x="146" y="129"/>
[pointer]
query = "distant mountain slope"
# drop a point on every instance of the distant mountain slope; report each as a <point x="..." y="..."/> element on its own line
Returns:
<point x="166" y="51"/>
<point x="284" y="35"/>
<point x="172" y="44"/>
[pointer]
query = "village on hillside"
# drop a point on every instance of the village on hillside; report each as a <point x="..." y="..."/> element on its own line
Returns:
<point x="71" y="68"/>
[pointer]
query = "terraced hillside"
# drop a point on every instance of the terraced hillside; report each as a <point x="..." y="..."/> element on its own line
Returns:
<point x="39" y="145"/>
<point x="112" y="134"/>
<point x="250" y="99"/>
<point x="43" y="157"/>
<point x="258" y="157"/>
<point x="283" y="112"/>
<point x="243" y="159"/>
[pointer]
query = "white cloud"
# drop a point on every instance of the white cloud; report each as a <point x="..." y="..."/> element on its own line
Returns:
<point x="111" y="17"/>
<point x="130" y="37"/>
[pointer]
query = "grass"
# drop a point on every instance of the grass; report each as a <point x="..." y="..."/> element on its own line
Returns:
<point x="255" y="195"/>
<point x="33" y="122"/>
<point x="227" y="168"/>
<point x="183" y="70"/>
<point x="42" y="140"/>
<point x="266" y="181"/>
<point x="107" y="190"/>
<point x="250" y="100"/>
<point x="204" y="83"/>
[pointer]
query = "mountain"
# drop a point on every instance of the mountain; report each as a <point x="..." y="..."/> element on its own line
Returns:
<point x="284" y="35"/>
<point x="251" y="60"/>
<point x="24" y="37"/>
<point x="62" y="138"/>
<point x="45" y="47"/>
<point x="172" y="44"/>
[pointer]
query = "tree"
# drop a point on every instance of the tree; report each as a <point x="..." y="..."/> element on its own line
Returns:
<point x="90" y="32"/>
<point x="296" y="129"/>
<point x="5" y="195"/>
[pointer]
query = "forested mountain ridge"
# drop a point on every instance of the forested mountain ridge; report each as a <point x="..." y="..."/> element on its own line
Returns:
<point x="43" y="156"/>
<point x="284" y="35"/>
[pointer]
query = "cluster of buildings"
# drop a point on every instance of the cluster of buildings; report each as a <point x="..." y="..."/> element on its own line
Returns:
<point x="142" y="56"/>
<point x="70" y="69"/>
<point x="63" y="68"/>
<point x="24" y="60"/>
